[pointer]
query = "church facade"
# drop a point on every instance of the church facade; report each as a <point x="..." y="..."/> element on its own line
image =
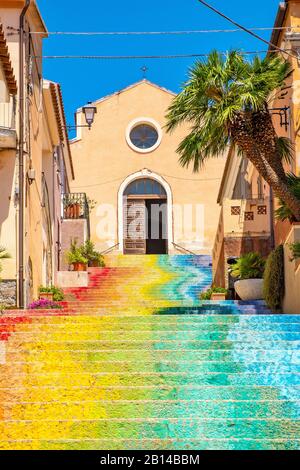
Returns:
<point x="142" y="200"/>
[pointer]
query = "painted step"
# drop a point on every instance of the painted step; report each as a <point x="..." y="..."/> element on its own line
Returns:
<point x="230" y="367"/>
<point x="156" y="429"/>
<point x="178" y="344"/>
<point x="181" y="336"/>
<point x="151" y="410"/>
<point x="119" y="327"/>
<point x="50" y="317"/>
<point x="154" y="444"/>
<point x="116" y="392"/>
<point x="112" y="355"/>
<point x="151" y="378"/>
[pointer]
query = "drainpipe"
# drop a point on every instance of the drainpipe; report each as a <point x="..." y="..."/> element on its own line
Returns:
<point x="21" y="154"/>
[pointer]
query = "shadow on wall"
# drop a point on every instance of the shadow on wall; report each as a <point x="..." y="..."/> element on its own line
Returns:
<point x="7" y="168"/>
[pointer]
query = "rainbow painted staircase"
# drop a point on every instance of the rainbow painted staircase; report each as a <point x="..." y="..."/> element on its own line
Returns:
<point x="136" y="361"/>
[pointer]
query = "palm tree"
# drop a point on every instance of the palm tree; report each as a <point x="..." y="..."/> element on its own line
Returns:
<point x="3" y="255"/>
<point x="225" y="101"/>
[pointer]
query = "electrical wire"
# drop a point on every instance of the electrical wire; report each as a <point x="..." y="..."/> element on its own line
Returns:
<point x="166" y="176"/>
<point x="134" y="57"/>
<point x="150" y="33"/>
<point x="218" y="12"/>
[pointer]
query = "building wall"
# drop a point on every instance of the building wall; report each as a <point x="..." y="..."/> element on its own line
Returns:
<point x="42" y="137"/>
<point x="291" y="303"/>
<point x="103" y="160"/>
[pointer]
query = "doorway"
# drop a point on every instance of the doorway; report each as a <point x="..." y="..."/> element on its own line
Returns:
<point x="145" y="215"/>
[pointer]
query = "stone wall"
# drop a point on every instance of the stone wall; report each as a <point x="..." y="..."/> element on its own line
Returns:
<point x="8" y="292"/>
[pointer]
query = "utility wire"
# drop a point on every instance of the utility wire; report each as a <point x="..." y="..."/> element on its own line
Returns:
<point x="103" y="183"/>
<point x="218" y="12"/>
<point x="147" y="33"/>
<point x="136" y="57"/>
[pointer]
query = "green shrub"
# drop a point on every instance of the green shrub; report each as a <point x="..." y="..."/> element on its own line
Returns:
<point x="213" y="290"/>
<point x="295" y="249"/>
<point x="284" y="212"/>
<point x="92" y="255"/>
<point x="274" y="279"/>
<point x="74" y="255"/>
<point x="249" y="266"/>
<point x="58" y="294"/>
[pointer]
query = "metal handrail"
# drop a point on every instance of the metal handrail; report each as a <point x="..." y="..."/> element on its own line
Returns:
<point x="178" y="247"/>
<point x="108" y="250"/>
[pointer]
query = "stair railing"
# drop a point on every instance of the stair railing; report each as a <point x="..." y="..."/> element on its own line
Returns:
<point x="108" y="250"/>
<point x="181" y="248"/>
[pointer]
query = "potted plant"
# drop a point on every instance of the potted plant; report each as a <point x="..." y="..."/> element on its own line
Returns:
<point x="72" y="207"/>
<point x="75" y="258"/>
<point x="95" y="259"/>
<point x="51" y="293"/>
<point x="215" y="293"/>
<point x="249" y="270"/>
<point x="45" y="293"/>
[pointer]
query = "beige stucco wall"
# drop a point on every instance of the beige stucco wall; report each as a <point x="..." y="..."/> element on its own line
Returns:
<point x="291" y="303"/>
<point x="103" y="160"/>
<point x="8" y="212"/>
<point x="41" y="139"/>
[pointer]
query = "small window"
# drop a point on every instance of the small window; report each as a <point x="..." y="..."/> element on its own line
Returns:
<point x="249" y="215"/>
<point x="144" y="136"/>
<point x="235" y="210"/>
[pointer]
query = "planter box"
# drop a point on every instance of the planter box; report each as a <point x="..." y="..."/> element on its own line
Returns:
<point x="67" y="279"/>
<point x="218" y="296"/>
<point x="249" y="289"/>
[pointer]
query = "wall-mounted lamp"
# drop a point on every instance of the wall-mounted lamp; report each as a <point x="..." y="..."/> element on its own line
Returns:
<point x="89" y="112"/>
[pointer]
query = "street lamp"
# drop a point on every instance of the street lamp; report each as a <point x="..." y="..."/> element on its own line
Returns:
<point x="89" y="112"/>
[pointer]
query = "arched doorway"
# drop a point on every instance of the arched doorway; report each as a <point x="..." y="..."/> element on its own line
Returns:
<point x="145" y="214"/>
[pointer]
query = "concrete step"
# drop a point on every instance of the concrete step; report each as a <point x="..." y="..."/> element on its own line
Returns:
<point x="152" y="409"/>
<point x="158" y="428"/>
<point x="189" y="444"/>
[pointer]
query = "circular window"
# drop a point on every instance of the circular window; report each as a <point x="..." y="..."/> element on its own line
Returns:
<point x="143" y="135"/>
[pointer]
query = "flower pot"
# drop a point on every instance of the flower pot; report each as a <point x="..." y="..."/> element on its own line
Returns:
<point x="218" y="296"/>
<point x="72" y="211"/>
<point x="94" y="264"/>
<point x="79" y="267"/>
<point x="249" y="289"/>
<point x="46" y="295"/>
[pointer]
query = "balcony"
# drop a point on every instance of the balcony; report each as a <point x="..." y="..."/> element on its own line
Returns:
<point x="75" y="206"/>
<point x="8" y="137"/>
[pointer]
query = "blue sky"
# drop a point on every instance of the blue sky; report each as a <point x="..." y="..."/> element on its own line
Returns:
<point x="83" y="80"/>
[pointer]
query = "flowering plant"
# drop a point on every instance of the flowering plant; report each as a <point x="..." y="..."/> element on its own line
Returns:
<point x="44" y="304"/>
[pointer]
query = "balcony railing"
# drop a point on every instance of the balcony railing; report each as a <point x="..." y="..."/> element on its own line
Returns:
<point x="8" y="124"/>
<point x="76" y="206"/>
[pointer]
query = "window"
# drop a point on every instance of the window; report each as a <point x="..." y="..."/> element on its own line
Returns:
<point x="145" y="186"/>
<point x="143" y="135"/>
<point x="235" y="210"/>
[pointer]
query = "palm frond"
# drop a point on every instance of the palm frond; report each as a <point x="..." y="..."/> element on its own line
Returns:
<point x="285" y="149"/>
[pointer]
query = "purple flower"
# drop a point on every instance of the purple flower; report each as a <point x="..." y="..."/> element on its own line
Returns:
<point x="44" y="304"/>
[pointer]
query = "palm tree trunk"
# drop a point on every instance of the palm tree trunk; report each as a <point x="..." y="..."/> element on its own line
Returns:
<point x="258" y="143"/>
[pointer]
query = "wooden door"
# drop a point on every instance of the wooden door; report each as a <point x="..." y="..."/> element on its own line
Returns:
<point x="135" y="226"/>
